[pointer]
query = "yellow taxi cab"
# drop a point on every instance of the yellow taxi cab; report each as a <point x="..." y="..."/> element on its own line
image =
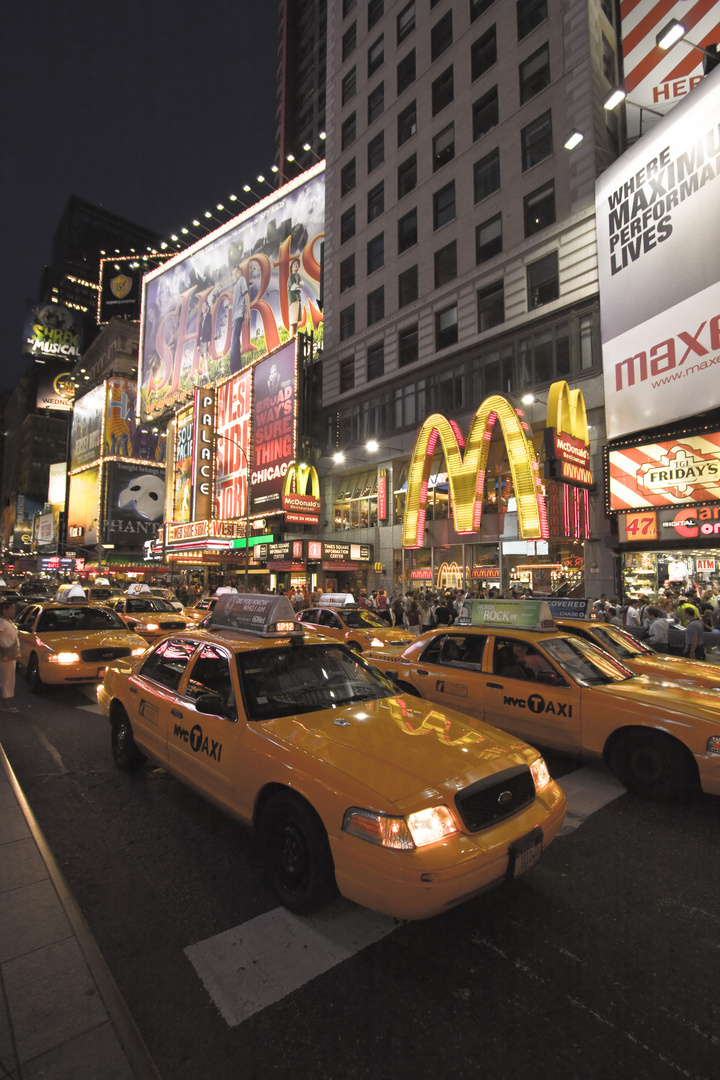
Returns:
<point x="149" y="616"/>
<point x="629" y="650"/>
<point x="402" y="807"/>
<point x="506" y="663"/>
<point x="338" y="616"/>
<point x="197" y="612"/>
<point x="72" y="641"/>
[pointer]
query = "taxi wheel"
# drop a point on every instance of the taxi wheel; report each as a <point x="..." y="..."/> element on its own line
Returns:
<point x="124" y="748"/>
<point x="33" y="676"/>
<point x="654" y="766"/>
<point x="296" y="853"/>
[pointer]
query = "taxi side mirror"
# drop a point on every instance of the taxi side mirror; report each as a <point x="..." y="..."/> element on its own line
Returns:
<point x="213" y="705"/>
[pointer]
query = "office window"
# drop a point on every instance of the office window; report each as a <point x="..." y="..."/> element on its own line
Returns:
<point x="348" y="131"/>
<point x="347" y="225"/>
<point x="485" y="113"/>
<point x="375" y="201"/>
<point x="376" y="102"/>
<point x="530" y="13"/>
<point x="609" y="62"/>
<point x="348" y="177"/>
<point x="347" y="322"/>
<point x="585" y="327"/>
<point x="444" y="205"/>
<point x="491" y="306"/>
<point x="608" y="10"/>
<point x="375" y="360"/>
<point x="406" y="72"/>
<point x="375" y="12"/>
<point x="407" y="231"/>
<point x="347" y="273"/>
<point x="544" y="356"/>
<point x="406" y="22"/>
<point x="536" y="141"/>
<point x="442" y="91"/>
<point x="408" y="345"/>
<point x="483" y="53"/>
<point x="348" y="86"/>
<point x="543" y="284"/>
<point x="488" y="238"/>
<point x="539" y="208"/>
<point x="486" y="175"/>
<point x="348" y="5"/>
<point x="445" y="264"/>
<point x="443" y="147"/>
<point x="347" y="374"/>
<point x="376" y="253"/>
<point x="376" y="55"/>
<point x="446" y="327"/>
<point x="376" y="152"/>
<point x="376" y="306"/>
<point x="407" y="123"/>
<point x="534" y="74"/>
<point x="349" y="40"/>
<point x="407" y="176"/>
<point x="478" y="7"/>
<point x="441" y="36"/>
<point x="408" y="286"/>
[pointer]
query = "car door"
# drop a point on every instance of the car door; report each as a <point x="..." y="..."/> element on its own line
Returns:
<point x="153" y="694"/>
<point x="202" y="745"/>
<point x="529" y="696"/>
<point x="449" y="672"/>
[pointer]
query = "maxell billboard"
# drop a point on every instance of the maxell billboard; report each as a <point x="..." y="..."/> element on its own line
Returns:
<point x="658" y="219"/>
<point x="234" y="296"/>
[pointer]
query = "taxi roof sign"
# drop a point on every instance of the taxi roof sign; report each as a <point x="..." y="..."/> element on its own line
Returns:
<point x="520" y="614"/>
<point x="253" y="613"/>
<point x="68" y="594"/>
<point x="569" y="607"/>
<point x="337" y="600"/>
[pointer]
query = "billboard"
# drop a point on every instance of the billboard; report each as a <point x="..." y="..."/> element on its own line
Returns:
<point x="233" y="446"/>
<point x="234" y="296"/>
<point x="52" y="332"/>
<point x="657" y="79"/>
<point x="84" y="507"/>
<point x="182" y="470"/>
<point x="120" y="290"/>
<point x="86" y="431"/>
<point x="273" y="427"/>
<point x="55" y="389"/>
<point x="105" y="424"/>
<point x="658" y="218"/>
<point x="679" y="470"/>
<point x="135" y="503"/>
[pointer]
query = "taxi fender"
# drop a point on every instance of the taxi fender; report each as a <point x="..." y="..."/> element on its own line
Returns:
<point x="601" y="727"/>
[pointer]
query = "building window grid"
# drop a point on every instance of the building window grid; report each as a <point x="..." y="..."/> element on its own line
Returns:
<point x="407" y="230"/>
<point x="488" y="239"/>
<point x="444" y="205"/>
<point x="446" y="327"/>
<point x="442" y="91"/>
<point x="376" y="201"/>
<point x="536" y="141"/>
<point x="405" y="22"/>
<point x="375" y="361"/>
<point x="376" y="253"/>
<point x="376" y="55"/>
<point x="443" y="147"/>
<point x="486" y="175"/>
<point x="445" y="264"/>
<point x="407" y="123"/>
<point x="406" y="72"/>
<point x="535" y="74"/>
<point x="539" y="208"/>
<point x="483" y="54"/>
<point x="530" y="13"/>
<point x="408" y="288"/>
<point x="407" y="176"/>
<point x="348" y="178"/>
<point x="376" y="103"/>
<point x="441" y="36"/>
<point x="376" y="152"/>
<point x="376" y="305"/>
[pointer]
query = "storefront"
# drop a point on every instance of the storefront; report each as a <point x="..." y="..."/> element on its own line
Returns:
<point x="670" y="549"/>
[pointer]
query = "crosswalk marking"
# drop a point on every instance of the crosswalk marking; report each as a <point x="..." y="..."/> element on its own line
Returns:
<point x="260" y="962"/>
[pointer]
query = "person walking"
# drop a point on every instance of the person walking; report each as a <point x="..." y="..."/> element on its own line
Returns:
<point x="9" y="655"/>
<point x="695" y="638"/>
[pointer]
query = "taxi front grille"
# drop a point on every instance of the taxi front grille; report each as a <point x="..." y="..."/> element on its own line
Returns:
<point x="97" y="656"/>
<point x="495" y="798"/>
<point x="173" y="624"/>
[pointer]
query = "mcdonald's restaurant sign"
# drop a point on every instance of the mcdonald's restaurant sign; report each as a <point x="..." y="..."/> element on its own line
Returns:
<point x="466" y="462"/>
<point x="298" y="505"/>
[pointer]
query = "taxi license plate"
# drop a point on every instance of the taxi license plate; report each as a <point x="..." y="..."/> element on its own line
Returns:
<point x="101" y="672"/>
<point x="524" y="853"/>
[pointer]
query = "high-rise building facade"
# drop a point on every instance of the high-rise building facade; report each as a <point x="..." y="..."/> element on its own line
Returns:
<point x="300" y="109"/>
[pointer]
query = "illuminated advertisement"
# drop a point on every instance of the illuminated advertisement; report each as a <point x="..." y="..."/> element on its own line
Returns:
<point x="183" y="457"/>
<point x="135" y="496"/>
<point x="300" y="506"/>
<point x="273" y="423"/>
<point x="56" y="483"/>
<point x="657" y="79"/>
<point x="234" y="296"/>
<point x="233" y="446"/>
<point x="84" y="507"/>
<point x="203" y="452"/>
<point x="567" y="440"/>
<point x="658" y="218"/>
<point x="52" y="332"/>
<point x="25" y="510"/>
<point x="669" y="526"/>
<point x="120" y="290"/>
<point x="676" y="471"/>
<point x="55" y="389"/>
<point x="86" y="433"/>
<point x="122" y="435"/>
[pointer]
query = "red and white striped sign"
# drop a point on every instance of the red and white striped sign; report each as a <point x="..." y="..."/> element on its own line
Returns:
<point x="681" y="471"/>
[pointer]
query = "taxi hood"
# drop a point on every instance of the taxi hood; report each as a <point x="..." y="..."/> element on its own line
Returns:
<point x="400" y="746"/>
<point x="668" y="696"/>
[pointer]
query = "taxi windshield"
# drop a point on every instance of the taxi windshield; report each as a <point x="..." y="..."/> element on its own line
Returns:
<point x="357" y="619"/>
<point x="619" y="643"/>
<point x="585" y="663"/>
<point x="296" y="679"/>
<point x="142" y="604"/>
<point x="61" y="620"/>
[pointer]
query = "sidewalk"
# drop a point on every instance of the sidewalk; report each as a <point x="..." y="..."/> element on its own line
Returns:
<point x="61" y="1014"/>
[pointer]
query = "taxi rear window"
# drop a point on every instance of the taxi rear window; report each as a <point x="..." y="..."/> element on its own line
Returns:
<point x="79" y="618"/>
<point x="306" y="678"/>
<point x="356" y="620"/>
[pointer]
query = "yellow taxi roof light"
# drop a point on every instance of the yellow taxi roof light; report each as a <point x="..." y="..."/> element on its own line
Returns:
<point x="519" y="614"/>
<point x="337" y="600"/>
<point x="69" y="594"/>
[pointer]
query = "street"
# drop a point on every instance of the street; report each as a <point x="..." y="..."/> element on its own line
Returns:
<point x="601" y="961"/>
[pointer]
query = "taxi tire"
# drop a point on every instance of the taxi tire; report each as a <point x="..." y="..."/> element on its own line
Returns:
<point x="296" y="853"/>
<point x="125" y="752"/>
<point x="37" y="686"/>
<point x="654" y="766"/>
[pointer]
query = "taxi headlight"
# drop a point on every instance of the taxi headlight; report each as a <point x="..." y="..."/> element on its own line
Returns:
<point x="152" y="626"/>
<point x="540" y="774"/>
<point x="376" y="642"/>
<point x="64" y="658"/>
<point x="399" y="833"/>
<point x="713" y="744"/>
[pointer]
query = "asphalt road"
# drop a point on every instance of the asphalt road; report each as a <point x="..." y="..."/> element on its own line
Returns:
<point x="601" y="962"/>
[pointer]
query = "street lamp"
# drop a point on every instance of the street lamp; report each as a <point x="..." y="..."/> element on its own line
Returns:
<point x="242" y="450"/>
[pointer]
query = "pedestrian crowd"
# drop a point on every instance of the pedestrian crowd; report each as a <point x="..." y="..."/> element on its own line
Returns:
<point x="651" y="618"/>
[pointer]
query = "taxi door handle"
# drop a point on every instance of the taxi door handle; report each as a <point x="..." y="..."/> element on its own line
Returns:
<point x="176" y="712"/>
<point x="421" y="672"/>
<point x="496" y="685"/>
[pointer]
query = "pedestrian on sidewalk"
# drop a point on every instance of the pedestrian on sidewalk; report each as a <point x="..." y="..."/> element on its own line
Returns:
<point x="9" y="655"/>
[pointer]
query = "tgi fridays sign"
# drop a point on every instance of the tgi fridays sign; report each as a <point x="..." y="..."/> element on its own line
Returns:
<point x="673" y="471"/>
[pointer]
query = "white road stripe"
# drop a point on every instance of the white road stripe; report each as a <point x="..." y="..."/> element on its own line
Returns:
<point x="254" y="965"/>
<point x="586" y="791"/>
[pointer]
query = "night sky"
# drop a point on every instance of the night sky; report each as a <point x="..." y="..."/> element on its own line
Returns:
<point x="154" y="109"/>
